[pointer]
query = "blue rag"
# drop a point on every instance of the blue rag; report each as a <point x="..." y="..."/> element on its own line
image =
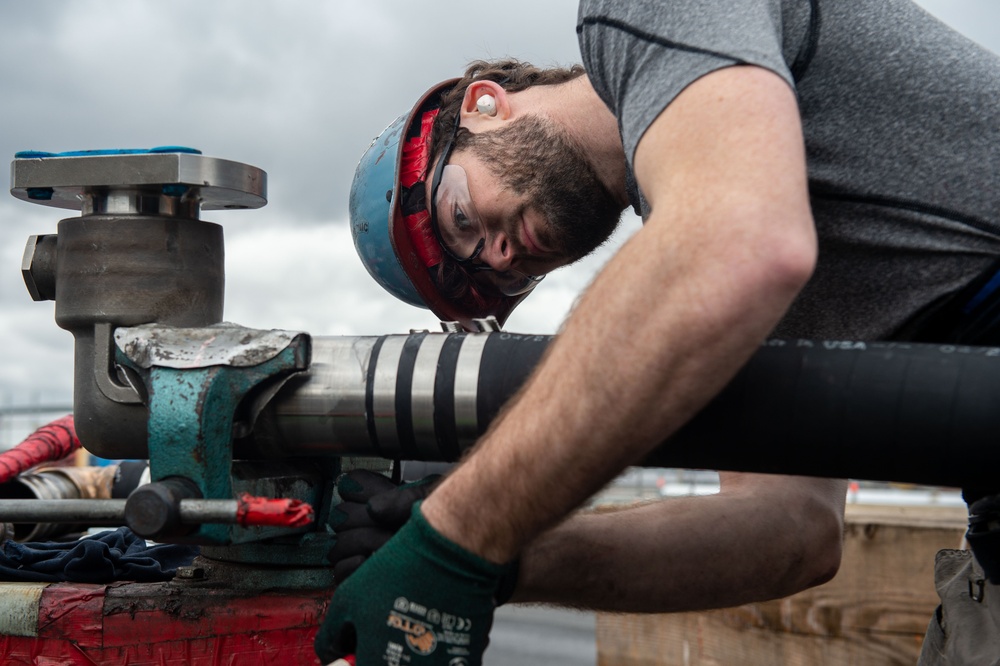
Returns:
<point x="104" y="558"/>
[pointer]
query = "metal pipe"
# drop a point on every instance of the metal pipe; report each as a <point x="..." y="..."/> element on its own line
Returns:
<point x="44" y="487"/>
<point x="424" y="396"/>
<point x="67" y="483"/>
<point x="883" y="411"/>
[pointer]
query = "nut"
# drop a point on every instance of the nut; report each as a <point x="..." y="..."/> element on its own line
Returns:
<point x="38" y="267"/>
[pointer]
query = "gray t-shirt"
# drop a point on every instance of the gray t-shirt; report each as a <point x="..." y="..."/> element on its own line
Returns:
<point x="901" y="119"/>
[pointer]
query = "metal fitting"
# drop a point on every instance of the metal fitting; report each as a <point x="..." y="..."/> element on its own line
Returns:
<point x="38" y="267"/>
<point x="137" y="254"/>
<point x="190" y="573"/>
<point x="487" y="324"/>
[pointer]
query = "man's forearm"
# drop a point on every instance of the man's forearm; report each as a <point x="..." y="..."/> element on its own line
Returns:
<point x="691" y="553"/>
<point x="606" y="394"/>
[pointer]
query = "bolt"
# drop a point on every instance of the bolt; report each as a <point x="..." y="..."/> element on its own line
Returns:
<point x="38" y="267"/>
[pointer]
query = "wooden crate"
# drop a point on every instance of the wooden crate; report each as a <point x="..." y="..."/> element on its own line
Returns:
<point x="874" y="612"/>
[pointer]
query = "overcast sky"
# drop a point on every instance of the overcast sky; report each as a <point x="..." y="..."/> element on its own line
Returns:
<point x="298" y="88"/>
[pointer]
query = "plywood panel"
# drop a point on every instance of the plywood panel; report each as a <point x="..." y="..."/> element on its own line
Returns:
<point x="873" y="612"/>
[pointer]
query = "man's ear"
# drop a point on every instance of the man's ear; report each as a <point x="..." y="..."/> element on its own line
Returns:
<point x="479" y="114"/>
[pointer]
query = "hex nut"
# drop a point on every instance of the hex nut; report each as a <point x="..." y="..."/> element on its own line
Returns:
<point x="38" y="267"/>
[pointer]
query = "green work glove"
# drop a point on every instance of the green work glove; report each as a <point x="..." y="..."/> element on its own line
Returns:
<point x="372" y="509"/>
<point x="420" y="600"/>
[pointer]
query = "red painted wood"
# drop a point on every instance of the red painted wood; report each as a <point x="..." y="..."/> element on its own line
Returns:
<point x="160" y="624"/>
<point x="72" y="610"/>
<point x="254" y="649"/>
<point x="199" y="613"/>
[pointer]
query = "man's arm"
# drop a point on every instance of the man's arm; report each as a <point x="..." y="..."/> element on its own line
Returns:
<point x="665" y="326"/>
<point x="761" y="537"/>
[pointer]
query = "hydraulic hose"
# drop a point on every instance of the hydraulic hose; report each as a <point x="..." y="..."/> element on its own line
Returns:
<point x="48" y="443"/>
<point x="882" y="411"/>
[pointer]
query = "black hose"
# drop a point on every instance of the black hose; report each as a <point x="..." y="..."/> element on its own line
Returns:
<point x="882" y="411"/>
<point x="904" y="412"/>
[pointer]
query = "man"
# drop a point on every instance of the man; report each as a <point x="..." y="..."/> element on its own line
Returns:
<point x="811" y="169"/>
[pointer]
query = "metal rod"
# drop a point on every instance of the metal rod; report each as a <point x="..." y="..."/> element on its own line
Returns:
<point x="198" y="511"/>
<point x="81" y="511"/>
<point x="108" y="512"/>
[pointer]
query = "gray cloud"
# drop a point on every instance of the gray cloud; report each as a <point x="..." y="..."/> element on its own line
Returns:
<point x="298" y="88"/>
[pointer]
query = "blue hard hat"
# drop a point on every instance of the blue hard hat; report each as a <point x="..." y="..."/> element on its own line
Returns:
<point x="372" y="202"/>
<point x="389" y="249"/>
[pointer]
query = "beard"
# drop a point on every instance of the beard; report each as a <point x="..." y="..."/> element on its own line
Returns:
<point x="534" y="158"/>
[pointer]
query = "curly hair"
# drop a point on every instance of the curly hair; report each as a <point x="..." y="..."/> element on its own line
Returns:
<point x="513" y="75"/>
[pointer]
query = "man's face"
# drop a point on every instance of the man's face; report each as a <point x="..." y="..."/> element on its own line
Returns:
<point x="535" y="200"/>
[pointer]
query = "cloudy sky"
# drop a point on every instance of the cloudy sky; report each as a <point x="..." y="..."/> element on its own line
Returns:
<point x="298" y="88"/>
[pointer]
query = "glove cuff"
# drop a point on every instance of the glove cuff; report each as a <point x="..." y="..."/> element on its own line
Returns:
<point x="508" y="583"/>
<point x="451" y="553"/>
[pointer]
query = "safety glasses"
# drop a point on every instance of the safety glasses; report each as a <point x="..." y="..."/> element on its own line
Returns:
<point x="460" y="230"/>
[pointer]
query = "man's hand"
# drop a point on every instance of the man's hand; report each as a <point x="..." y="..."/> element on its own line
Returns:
<point x="421" y="600"/>
<point x="372" y="510"/>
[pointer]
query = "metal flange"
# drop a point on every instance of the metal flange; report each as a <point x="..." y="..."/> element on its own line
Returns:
<point x="83" y="180"/>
